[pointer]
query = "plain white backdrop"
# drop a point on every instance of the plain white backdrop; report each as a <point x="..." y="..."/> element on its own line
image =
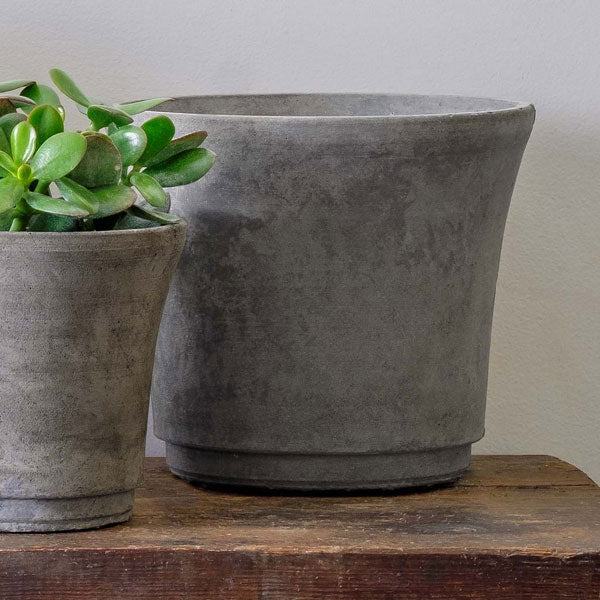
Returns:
<point x="545" y="362"/>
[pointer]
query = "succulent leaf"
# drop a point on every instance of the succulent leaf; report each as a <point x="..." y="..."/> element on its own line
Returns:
<point x="151" y="190"/>
<point x="131" y="142"/>
<point x="91" y="170"/>
<point x="40" y="94"/>
<point x="25" y="174"/>
<point x="7" y="163"/>
<point x="130" y="221"/>
<point x="54" y="206"/>
<point x="102" y="116"/>
<point x="4" y="143"/>
<point x="9" y="86"/>
<point x="101" y="164"/>
<point x="22" y="142"/>
<point x="134" y="108"/>
<point x="47" y="122"/>
<point x="50" y="222"/>
<point x="146" y="211"/>
<point x="10" y="193"/>
<point x="113" y="199"/>
<point x="159" y="131"/>
<point x="187" y="142"/>
<point x="183" y="168"/>
<point x="58" y="156"/>
<point x="68" y="87"/>
<point x="6" y="219"/>
<point x="8" y="122"/>
<point x="77" y="194"/>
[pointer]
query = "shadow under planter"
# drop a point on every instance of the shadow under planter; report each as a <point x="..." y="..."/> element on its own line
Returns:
<point x="329" y="323"/>
<point x="80" y="314"/>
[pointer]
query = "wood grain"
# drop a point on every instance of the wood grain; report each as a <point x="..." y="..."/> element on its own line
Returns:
<point x="515" y="527"/>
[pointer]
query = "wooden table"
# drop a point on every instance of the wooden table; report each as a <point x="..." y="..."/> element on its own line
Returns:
<point x="514" y="528"/>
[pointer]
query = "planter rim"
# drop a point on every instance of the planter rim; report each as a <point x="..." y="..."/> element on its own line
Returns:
<point x="120" y="239"/>
<point x="79" y="234"/>
<point x="495" y="107"/>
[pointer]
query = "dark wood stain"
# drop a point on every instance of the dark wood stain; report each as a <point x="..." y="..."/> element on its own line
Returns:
<point x="514" y="528"/>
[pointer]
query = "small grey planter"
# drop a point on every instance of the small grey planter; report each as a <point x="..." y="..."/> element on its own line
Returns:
<point x="329" y="324"/>
<point x="80" y="315"/>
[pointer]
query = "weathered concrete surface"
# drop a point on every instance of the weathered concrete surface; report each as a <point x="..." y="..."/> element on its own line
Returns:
<point x="80" y="314"/>
<point x="329" y="323"/>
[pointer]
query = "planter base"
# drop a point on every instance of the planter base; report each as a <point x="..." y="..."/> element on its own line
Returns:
<point x="326" y="472"/>
<point x="64" y="514"/>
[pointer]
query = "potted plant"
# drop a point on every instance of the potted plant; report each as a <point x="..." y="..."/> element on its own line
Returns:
<point x="88" y="251"/>
<point x="329" y="324"/>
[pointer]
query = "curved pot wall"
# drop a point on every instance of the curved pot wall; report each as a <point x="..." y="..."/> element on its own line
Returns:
<point x="329" y="323"/>
<point x="80" y="314"/>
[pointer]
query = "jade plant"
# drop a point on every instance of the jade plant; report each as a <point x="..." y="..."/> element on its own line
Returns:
<point x="111" y="175"/>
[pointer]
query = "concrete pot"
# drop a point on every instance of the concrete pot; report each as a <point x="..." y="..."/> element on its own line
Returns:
<point x="329" y="324"/>
<point x="80" y="315"/>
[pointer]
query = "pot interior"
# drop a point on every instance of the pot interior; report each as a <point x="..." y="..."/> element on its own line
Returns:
<point x="334" y="105"/>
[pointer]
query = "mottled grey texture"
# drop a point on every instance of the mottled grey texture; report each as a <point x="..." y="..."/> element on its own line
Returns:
<point x="329" y="323"/>
<point x="80" y="314"/>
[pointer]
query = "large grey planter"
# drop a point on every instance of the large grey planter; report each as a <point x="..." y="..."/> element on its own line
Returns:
<point x="80" y="314"/>
<point x="329" y="324"/>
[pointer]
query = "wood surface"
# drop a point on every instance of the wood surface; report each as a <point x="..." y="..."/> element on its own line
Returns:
<point x="514" y="528"/>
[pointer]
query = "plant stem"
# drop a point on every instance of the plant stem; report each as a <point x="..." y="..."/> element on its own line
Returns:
<point x="18" y="224"/>
<point x="41" y="187"/>
<point x="126" y="176"/>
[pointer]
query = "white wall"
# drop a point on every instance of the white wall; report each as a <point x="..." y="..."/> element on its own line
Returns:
<point x="545" y="372"/>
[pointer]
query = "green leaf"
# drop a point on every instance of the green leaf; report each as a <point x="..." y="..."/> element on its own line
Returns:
<point x="22" y="142"/>
<point x="47" y="122"/>
<point x="49" y="222"/>
<point x="187" y="142"/>
<point x="113" y="199"/>
<point x="10" y="193"/>
<point x="83" y="109"/>
<point x="25" y="174"/>
<point x="9" y="121"/>
<point x="55" y="206"/>
<point x="77" y="194"/>
<point x="131" y="142"/>
<point x="130" y="221"/>
<point x="58" y="156"/>
<point x="151" y="190"/>
<point x="6" y="220"/>
<point x="147" y="211"/>
<point x="19" y="101"/>
<point x="183" y="168"/>
<point x="40" y="94"/>
<point x="133" y="108"/>
<point x="8" y="86"/>
<point x="102" y="116"/>
<point x="159" y="131"/>
<point x="7" y="163"/>
<point x="4" y="143"/>
<point x="101" y="164"/>
<point x="68" y="87"/>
